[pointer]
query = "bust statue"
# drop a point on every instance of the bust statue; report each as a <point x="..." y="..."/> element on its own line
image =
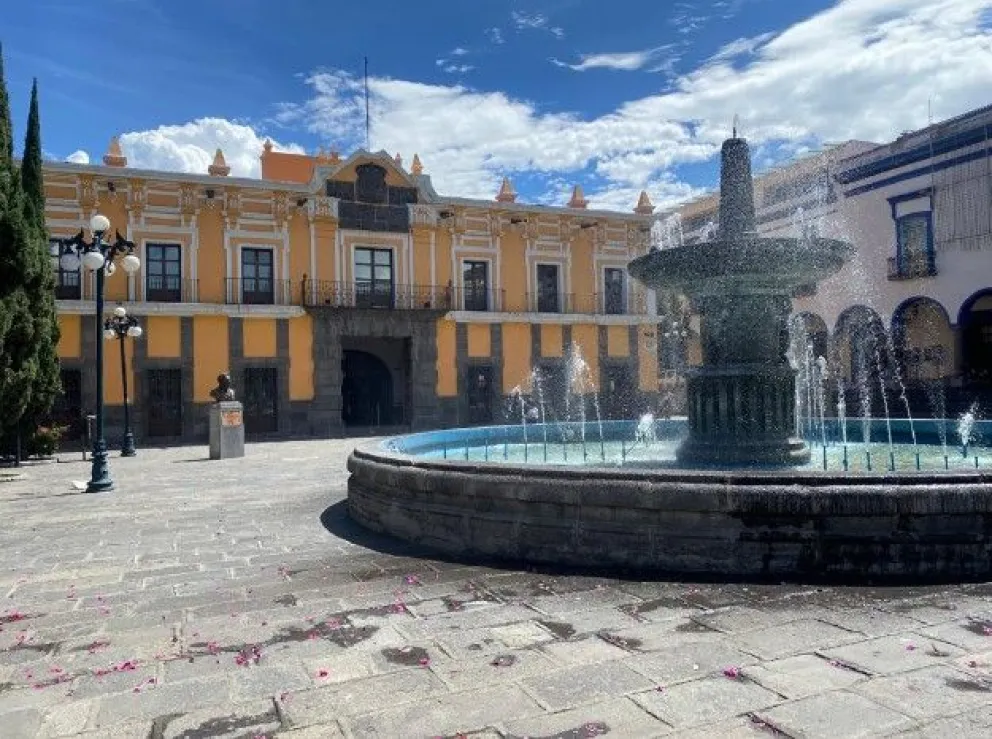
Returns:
<point x="223" y="392"/>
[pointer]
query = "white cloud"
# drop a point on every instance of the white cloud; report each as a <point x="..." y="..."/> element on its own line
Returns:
<point x="528" y="20"/>
<point x="190" y="147"/>
<point x="535" y="21"/>
<point x="740" y="47"/>
<point x="627" y="61"/>
<point x="459" y="51"/>
<point x="78" y="157"/>
<point x="495" y="35"/>
<point x="450" y="67"/>
<point x="861" y="69"/>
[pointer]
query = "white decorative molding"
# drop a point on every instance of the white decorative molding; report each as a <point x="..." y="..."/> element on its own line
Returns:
<point x="88" y="307"/>
<point x="569" y="319"/>
<point x="422" y="215"/>
<point x="321" y="206"/>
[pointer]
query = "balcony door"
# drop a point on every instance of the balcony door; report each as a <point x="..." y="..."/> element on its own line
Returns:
<point x="548" y="290"/>
<point x="257" y="273"/>
<point x="475" y="282"/>
<point x="163" y="273"/>
<point x="374" y="287"/>
<point x="614" y="293"/>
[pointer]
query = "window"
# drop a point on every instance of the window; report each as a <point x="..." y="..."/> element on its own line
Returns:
<point x="914" y="244"/>
<point x="67" y="284"/>
<point x="614" y="294"/>
<point x="261" y="400"/>
<point x="548" y="296"/>
<point x="374" y="278"/>
<point x="480" y="394"/>
<point x="257" y="285"/>
<point x="163" y="273"/>
<point x="370" y="187"/>
<point x="165" y="396"/>
<point x="475" y="282"/>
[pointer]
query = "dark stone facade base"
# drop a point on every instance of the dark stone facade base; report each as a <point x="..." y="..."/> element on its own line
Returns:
<point x="807" y="526"/>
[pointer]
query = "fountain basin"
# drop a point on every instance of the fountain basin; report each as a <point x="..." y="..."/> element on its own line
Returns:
<point x="759" y="264"/>
<point x="782" y="523"/>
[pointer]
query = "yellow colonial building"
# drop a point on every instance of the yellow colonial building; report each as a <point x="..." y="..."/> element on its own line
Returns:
<point x="345" y="293"/>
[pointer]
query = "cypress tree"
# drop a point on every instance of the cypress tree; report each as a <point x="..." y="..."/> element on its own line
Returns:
<point x="18" y="360"/>
<point x="40" y="282"/>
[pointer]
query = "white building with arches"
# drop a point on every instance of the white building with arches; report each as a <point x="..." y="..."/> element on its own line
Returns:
<point x="916" y="298"/>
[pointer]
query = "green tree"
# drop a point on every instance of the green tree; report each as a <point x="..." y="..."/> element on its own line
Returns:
<point x="40" y="282"/>
<point x="25" y="275"/>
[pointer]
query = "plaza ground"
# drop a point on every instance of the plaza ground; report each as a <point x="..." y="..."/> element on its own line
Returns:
<point x="236" y="599"/>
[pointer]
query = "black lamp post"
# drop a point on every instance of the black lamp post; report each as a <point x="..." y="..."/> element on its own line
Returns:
<point x="119" y="326"/>
<point x="98" y="255"/>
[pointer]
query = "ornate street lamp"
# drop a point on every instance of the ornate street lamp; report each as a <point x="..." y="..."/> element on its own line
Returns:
<point x="119" y="326"/>
<point x="98" y="255"/>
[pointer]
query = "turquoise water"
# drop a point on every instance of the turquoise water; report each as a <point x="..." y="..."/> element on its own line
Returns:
<point x="564" y="446"/>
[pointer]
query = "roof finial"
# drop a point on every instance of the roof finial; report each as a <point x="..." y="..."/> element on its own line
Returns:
<point x="578" y="198"/>
<point x="737" y="119"/>
<point x="644" y="205"/>
<point x="506" y="192"/>
<point x="416" y="168"/>
<point x="219" y="168"/>
<point x="114" y="156"/>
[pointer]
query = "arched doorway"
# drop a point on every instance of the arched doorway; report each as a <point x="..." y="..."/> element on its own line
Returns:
<point x="924" y="345"/>
<point x="861" y="360"/>
<point x="975" y="324"/>
<point x="366" y="390"/>
<point x="814" y="329"/>
<point x="924" y="340"/>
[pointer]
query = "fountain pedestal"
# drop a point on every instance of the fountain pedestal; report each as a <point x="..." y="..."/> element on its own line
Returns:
<point x="742" y="398"/>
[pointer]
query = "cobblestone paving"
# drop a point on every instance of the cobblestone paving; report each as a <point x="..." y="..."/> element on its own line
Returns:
<point x="236" y="599"/>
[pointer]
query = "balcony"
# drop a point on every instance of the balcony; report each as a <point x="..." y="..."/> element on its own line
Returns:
<point x="259" y="291"/>
<point x="912" y="267"/>
<point x="589" y="304"/>
<point x="68" y="286"/>
<point x="170" y="289"/>
<point x="383" y="296"/>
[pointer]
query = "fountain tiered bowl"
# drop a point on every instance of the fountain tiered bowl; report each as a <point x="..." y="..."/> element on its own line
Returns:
<point x="732" y="490"/>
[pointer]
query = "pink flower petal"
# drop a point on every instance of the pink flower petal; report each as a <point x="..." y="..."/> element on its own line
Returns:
<point x="732" y="672"/>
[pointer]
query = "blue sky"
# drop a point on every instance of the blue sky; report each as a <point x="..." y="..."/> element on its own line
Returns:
<point x="615" y="95"/>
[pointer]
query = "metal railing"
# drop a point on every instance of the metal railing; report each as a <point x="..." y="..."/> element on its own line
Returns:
<point x="259" y="291"/>
<point x="170" y="289"/>
<point x="385" y="296"/>
<point x="68" y="286"/>
<point x="911" y="267"/>
<point x="590" y="304"/>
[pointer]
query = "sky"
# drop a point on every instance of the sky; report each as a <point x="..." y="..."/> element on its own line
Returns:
<point x="616" y="96"/>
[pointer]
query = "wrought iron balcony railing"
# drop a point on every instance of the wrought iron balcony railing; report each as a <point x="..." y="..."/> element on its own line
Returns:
<point x="170" y="289"/>
<point x="68" y="286"/>
<point x="377" y="295"/>
<point x="911" y="267"/>
<point x="259" y="291"/>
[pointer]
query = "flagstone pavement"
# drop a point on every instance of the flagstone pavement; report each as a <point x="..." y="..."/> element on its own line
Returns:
<point x="236" y="599"/>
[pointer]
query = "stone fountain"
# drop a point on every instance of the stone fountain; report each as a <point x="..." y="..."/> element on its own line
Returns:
<point x="742" y="398"/>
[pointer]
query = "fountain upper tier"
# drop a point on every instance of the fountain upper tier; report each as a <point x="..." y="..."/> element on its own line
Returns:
<point x="742" y="397"/>
<point x="738" y="261"/>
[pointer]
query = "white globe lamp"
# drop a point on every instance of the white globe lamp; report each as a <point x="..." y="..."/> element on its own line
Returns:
<point x="131" y="264"/>
<point x="69" y="262"/>
<point x="93" y="260"/>
<point x="99" y="224"/>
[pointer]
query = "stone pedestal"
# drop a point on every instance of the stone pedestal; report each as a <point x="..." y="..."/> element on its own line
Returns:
<point x="227" y="430"/>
